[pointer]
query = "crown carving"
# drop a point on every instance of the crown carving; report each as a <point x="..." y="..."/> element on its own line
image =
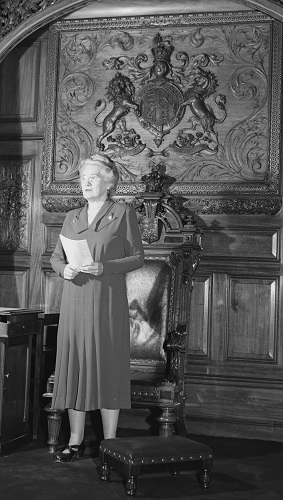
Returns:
<point x="162" y="49"/>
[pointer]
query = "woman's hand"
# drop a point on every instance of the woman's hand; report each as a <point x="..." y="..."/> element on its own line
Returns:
<point x="95" y="268"/>
<point x="70" y="272"/>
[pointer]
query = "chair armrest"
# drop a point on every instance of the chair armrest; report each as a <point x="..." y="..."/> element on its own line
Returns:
<point x="49" y="387"/>
<point x="175" y="346"/>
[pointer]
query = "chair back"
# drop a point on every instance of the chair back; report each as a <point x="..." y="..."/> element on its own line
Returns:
<point x="159" y="293"/>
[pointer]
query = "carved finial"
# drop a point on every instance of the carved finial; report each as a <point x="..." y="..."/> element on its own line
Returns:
<point x="156" y="179"/>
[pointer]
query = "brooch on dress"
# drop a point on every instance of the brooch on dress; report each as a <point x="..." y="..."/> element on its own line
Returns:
<point x="110" y="217"/>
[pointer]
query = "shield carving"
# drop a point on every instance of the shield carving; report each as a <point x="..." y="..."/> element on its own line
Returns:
<point x="160" y="107"/>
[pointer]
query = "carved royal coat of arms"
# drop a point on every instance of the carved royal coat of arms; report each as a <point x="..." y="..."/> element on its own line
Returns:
<point x="192" y="95"/>
<point x="160" y="101"/>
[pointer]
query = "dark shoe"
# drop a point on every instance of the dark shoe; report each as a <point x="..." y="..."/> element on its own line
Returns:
<point x="69" y="453"/>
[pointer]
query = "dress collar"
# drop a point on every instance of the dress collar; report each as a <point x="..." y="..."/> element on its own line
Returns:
<point x="103" y="217"/>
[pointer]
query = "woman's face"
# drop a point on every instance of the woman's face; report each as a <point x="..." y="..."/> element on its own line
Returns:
<point x="94" y="185"/>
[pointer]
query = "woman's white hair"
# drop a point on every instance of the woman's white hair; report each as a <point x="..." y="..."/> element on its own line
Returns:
<point x="107" y="166"/>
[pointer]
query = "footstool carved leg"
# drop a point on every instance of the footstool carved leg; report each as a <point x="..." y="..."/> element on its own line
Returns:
<point x="131" y="487"/>
<point x="54" y="418"/>
<point x="105" y="472"/>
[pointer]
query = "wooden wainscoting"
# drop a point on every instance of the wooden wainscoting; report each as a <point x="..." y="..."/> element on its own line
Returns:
<point x="22" y="107"/>
<point x="234" y="367"/>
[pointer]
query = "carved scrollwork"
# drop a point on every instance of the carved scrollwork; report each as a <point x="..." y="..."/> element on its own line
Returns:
<point x="73" y="140"/>
<point x="191" y="260"/>
<point x="247" y="149"/>
<point x="244" y="44"/>
<point x="14" y="204"/>
<point x="248" y="45"/>
<point x="78" y="52"/>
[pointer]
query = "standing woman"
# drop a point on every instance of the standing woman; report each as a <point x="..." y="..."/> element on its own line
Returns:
<point x="93" y="348"/>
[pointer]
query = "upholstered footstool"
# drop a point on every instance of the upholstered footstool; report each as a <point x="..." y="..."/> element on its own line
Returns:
<point x="135" y="455"/>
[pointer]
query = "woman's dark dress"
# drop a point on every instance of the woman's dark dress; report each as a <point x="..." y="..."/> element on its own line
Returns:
<point x="93" y="347"/>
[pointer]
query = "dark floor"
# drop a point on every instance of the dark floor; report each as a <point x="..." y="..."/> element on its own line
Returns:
<point x="243" y="469"/>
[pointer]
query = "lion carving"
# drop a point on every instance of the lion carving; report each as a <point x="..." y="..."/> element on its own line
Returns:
<point x="121" y="92"/>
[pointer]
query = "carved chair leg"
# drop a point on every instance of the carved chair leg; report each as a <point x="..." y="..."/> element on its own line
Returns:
<point x="54" y="418"/>
<point x="167" y="421"/>
<point x="131" y="486"/>
<point x="180" y="421"/>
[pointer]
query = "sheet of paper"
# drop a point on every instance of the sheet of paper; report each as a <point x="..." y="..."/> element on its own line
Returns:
<point x="77" y="251"/>
<point x="12" y="309"/>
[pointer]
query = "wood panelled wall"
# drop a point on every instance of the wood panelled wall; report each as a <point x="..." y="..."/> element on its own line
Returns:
<point x="234" y="366"/>
<point x="234" y="371"/>
<point x="22" y="104"/>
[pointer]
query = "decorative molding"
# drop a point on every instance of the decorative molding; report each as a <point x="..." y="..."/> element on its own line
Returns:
<point x="14" y="204"/>
<point x="37" y="17"/>
<point x="62" y="204"/>
<point x="13" y="14"/>
<point x="234" y="206"/>
<point x="199" y="206"/>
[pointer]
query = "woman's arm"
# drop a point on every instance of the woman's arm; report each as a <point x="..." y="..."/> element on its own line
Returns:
<point x="134" y="252"/>
<point x="58" y="258"/>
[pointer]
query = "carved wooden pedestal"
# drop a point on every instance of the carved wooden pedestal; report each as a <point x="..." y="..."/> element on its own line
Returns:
<point x="54" y="423"/>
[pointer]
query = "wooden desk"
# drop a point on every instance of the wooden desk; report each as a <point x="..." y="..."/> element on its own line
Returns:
<point x="51" y="318"/>
<point x="17" y="328"/>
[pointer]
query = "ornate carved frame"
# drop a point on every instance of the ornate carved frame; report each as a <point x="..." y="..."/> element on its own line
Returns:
<point x="203" y="197"/>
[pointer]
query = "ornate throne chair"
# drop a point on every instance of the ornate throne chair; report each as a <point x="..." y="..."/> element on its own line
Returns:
<point x="159" y="296"/>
